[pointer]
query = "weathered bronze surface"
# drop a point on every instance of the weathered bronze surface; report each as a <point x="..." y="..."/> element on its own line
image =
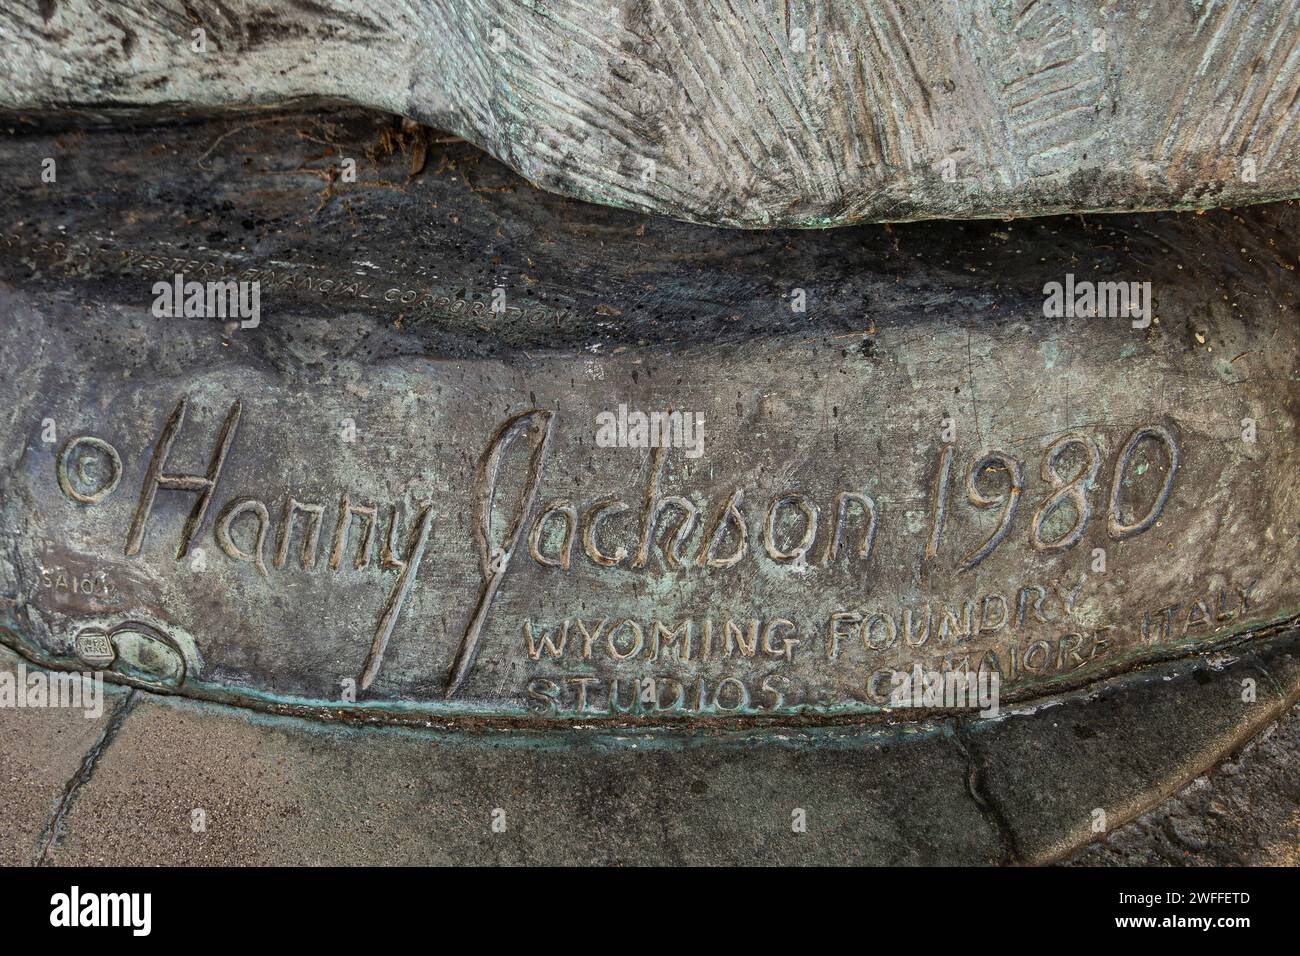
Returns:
<point x="769" y="113"/>
<point x="387" y="490"/>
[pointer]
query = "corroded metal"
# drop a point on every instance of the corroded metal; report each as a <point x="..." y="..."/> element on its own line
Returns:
<point x="763" y="114"/>
<point x="389" y="501"/>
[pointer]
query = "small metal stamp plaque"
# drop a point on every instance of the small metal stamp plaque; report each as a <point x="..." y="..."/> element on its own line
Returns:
<point x="95" y="648"/>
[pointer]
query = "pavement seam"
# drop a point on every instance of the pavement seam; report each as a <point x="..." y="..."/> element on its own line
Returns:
<point x="988" y="806"/>
<point x="52" y="835"/>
